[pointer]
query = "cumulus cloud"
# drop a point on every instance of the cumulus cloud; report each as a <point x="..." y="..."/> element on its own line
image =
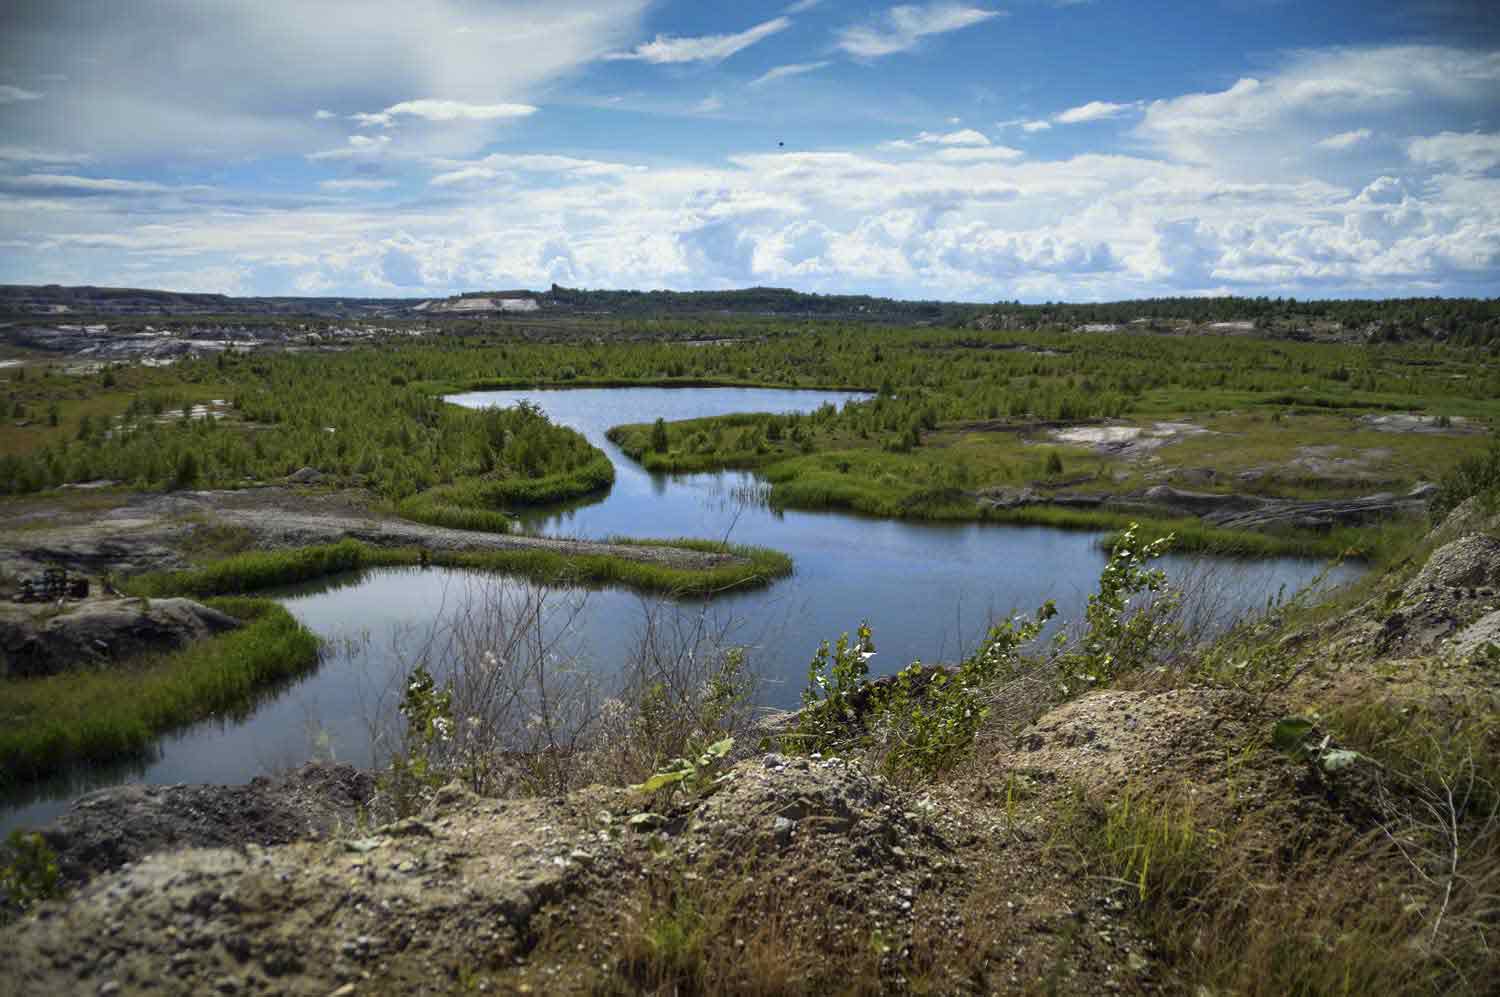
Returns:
<point x="1259" y="125"/>
<point x="1094" y="110"/>
<point x="1345" y="140"/>
<point x="1469" y="152"/>
<point x="705" y="48"/>
<point x="966" y="136"/>
<point x="902" y="28"/>
<point x="782" y="72"/>
<point x="1228" y="190"/>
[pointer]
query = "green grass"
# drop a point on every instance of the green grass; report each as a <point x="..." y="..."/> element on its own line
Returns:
<point x="255" y="570"/>
<point x="115" y="711"/>
<point x="478" y="503"/>
<point x="743" y="567"/>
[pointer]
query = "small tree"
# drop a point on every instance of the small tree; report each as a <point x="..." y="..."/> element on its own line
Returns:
<point x="659" y="441"/>
<point x="186" y="474"/>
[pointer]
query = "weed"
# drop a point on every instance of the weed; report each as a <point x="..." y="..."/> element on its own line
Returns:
<point x="28" y="874"/>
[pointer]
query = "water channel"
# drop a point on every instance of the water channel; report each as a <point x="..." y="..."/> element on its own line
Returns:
<point x="929" y="590"/>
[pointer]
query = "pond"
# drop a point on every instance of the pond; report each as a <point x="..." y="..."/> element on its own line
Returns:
<point x="929" y="590"/>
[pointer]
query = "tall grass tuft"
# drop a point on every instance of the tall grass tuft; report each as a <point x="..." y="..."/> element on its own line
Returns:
<point x="117" y="710"/>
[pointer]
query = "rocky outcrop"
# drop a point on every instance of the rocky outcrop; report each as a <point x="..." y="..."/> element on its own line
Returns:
<point x="416" y="902"/>
<point x="108" y="828"/>
<point x="1231" y="511"/>
<point x="34" y="642"/>
<point x="1458" y="589"/>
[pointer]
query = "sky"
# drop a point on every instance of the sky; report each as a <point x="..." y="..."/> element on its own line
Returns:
<point x="1039" y="150"/>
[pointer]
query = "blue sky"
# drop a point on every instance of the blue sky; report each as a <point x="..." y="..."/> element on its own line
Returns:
<point x="1083" y="150"/>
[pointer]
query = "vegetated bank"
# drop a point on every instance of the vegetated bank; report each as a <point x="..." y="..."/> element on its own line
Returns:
<point x="1306" y="805"/>
<point x="117" y="710"/>
<point x="729" y="566"/>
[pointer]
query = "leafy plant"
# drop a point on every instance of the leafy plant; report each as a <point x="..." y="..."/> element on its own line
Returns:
<point x="29" y="875"/>
<point x="698" y="776"/>
<point x="1121" y="636"/>
<point x="420" y="768"/>
<point x="1297" y="738"/>
<point x="932" y="716"/>
<point x="834" y="677"/>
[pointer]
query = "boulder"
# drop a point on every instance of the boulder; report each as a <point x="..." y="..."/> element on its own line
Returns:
<point x="34" y="642"/>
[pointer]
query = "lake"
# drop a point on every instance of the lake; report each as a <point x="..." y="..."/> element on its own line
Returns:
<point x="929" y="590"/>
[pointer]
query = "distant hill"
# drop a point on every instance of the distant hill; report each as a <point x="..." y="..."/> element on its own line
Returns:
<point x="1462" y="320"/>
<point x="53" y="299"/>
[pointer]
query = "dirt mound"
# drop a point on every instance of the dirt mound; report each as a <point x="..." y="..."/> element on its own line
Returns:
<point x="34" y="643"/>
<point x="419" y="903"/>
<point x="1108" y="738"/>
<point x="110" y="827"/>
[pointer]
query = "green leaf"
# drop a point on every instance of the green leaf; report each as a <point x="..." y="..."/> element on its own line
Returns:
<point x="1290" y="732"/>
<point x="1339" y="758"/>
<point x="662" y="779"/>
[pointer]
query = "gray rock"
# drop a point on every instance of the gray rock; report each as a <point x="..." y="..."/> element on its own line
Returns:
<point x="32" y="643"/>
<point x="1475" y="637"/>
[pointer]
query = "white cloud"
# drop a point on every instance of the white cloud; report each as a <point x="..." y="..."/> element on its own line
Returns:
<point x="372" y="119"/>
<point x="964" y="137"/>
<point x="1094" y="110"/>
<point x="15" y="95"/>
<point x="998" y="153"/>
<point x="494" y="166"/>
<point x="1469" y="152"/>
<point x="54" y="183"/>
<point x="1256" y="209"/>
<point x="441" y="111"/>
<point x="358" y="147"/>
<point x="802" y="6"/>
<point x="705" y="48"/>
<point x="285" y="58"/>
<point x="19" y="154"/>
<point x="465" y="175"/>
<point x="455" y="110"/>
<point x="1260" y="125"/>
<point x="709" y="105"/>
<point x="902" y="28"/>
<point x="782" y="72"/>
<point x="1035" y="126"/>
<point x="355" y="186"/>
<point x="322" y="114"/>
<point x="1345" y="140"/>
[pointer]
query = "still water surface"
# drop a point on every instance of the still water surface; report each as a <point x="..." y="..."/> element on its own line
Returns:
<point x="930" y="590"/>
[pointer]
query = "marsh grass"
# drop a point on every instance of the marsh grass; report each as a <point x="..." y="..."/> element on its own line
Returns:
<point x="118" y="710"/>
<point x="740" y="567"/>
